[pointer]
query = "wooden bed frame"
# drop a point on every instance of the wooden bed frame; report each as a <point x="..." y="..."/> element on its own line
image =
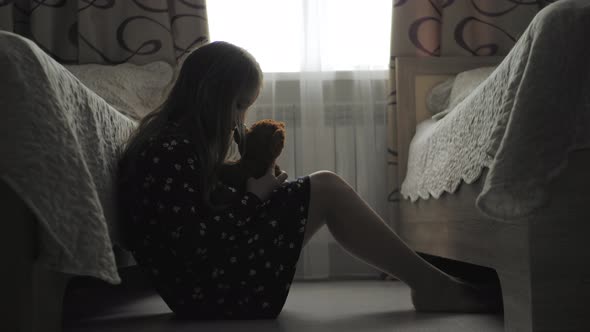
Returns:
<point x="543" y="263"/>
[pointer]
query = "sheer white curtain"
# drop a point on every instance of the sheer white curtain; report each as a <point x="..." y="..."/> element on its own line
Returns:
<point x="325" y="64"/>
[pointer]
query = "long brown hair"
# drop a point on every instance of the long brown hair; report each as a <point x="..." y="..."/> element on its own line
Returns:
<point x="203" y="102"/>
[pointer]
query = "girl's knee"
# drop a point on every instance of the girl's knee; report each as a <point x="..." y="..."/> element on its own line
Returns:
<point x="325" y="179"/>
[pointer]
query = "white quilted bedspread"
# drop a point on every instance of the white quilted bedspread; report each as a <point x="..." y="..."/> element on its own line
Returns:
<point x="59" y="143"/>
<point x="521" y="122"/>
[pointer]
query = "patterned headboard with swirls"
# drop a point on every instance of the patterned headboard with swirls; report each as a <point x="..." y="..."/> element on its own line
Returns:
<point x="110" y="31"/>
<point x="459" y="27"/>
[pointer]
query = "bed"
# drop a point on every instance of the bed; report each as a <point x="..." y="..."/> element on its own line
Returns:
<point x="531" y="228"/>
<point x="60" y="138"/>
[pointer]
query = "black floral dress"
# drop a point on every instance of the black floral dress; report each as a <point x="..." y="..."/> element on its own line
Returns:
<point x="237" y="263"/>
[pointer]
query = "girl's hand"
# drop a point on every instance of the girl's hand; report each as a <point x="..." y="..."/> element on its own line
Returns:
<point x="262" y="187"/>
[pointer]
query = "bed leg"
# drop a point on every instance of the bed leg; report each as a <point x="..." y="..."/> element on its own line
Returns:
<point x="35" y="302"/>
<point x="32" y="296"/>
<point x="557" y="296"/>
<point x="560" y="286"/>
<point x="516" y="295"/>
<point x="49" y="288"/>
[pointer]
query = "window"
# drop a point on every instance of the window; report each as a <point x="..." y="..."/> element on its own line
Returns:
<point x="306" y="35"/>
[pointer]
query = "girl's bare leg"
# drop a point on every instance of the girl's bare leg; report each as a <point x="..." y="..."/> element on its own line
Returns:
<point x="360" y="231"/>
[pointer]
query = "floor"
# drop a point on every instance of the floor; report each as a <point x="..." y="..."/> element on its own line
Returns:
<point x="323" y="306"/>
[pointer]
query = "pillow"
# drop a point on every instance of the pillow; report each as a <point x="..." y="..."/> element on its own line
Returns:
<point x="134" y="90"/>
<point x="437" y="99"/>
<point x="463" y="85"/>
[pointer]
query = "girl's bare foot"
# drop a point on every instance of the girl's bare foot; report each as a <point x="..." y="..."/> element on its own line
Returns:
<point x="455" y="295"/>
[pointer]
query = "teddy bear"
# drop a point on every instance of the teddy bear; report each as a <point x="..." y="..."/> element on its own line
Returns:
<point x="264" y="143"/>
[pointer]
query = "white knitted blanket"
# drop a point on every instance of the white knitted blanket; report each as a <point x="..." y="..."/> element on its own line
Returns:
<point x="59" y="143"/>
<point x="521" y="122"/>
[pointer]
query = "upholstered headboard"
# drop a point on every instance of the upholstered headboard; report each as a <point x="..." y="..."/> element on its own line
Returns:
<point x="415" y="77"/>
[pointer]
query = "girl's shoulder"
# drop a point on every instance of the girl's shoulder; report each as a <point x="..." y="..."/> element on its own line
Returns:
<point x="157" y="153"/>
<point x="170" y="131"/>
<point x="166" y="153"/>
<point x="169" y="141"/>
